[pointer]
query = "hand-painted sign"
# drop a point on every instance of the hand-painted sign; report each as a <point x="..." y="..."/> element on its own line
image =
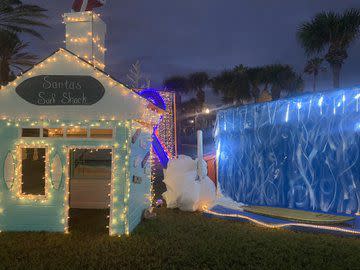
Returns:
<point x="50" y="90"/>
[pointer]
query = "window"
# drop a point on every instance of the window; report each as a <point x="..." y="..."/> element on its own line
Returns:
<point x="101" y="133"/>
<point x="30" y="132"/>
<point x="90" y="163"/>
<point x="53" y="132"/>
<point x="71" y="132"/>
<point x="76" y="133"/>
<point x="33" y="171"/>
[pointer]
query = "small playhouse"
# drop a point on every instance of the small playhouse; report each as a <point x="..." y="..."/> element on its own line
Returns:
<point x="73" y="137"/>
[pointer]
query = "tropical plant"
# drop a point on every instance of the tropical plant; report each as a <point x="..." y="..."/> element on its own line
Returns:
<point x="273" y="79"/>
<point x="177" y="83"/>
<point x="18" y="17"/>
<point x="282" y="78"/>
<point x="233" y="85"/>
<point x="197" y="82"/>
<point x="193" y="83"/>
<point x="331" y="33"/>
<point x="258" y="81"/>
<point x="189" y="108"/>
<point x="313" y="67"/>
<point x="13" y="56"/>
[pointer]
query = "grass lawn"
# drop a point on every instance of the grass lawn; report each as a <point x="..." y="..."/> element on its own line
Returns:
<point x="177" y="240"/>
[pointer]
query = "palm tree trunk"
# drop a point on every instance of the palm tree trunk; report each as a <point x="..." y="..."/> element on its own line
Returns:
<point x="314" y="83"/>
<point x="4" y="72"/>
<point x="256" y="92"/>
<point x="336" y="68"/>
<point x="275" y="92"/>
<point x="200" y="96"/>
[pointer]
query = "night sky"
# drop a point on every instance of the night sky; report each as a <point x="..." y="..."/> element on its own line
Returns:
<point x="183" y="36"/>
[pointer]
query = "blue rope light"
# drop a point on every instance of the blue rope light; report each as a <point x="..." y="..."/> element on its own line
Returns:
<point x="153" y="96"/>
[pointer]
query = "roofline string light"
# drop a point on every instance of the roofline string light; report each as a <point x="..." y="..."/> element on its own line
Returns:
<point x="151" y="115"/>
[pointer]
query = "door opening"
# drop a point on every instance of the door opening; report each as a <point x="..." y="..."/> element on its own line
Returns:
<point x="89" y="188"/>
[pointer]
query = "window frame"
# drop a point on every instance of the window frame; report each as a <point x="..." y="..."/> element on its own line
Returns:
<point x="75" y="138"/>
<point x="99" y="128"/>
<point x="51" y="138"/>
<point x="65" y="137"/>
<point x="30" y="127"/>
<point x="19" y="178"/>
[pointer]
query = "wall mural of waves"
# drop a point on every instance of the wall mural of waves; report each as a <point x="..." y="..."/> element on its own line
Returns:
<point x="300" y="152"/>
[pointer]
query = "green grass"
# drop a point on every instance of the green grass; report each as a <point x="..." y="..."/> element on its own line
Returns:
<point x="177" y="240"/>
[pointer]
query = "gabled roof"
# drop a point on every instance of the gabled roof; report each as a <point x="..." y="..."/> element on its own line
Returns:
<point x="118" y="102"/>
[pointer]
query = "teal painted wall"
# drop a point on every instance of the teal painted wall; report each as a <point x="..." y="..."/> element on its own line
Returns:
<point x="139" y="192"/>
<point x="26" y="215"/>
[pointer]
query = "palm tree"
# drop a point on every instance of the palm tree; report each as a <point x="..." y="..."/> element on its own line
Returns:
<point x="273" y="79"/>
<point x="12" y="56"/>
<point x="18" y="17"/>
<point x="258" y="77"/>
<point x="233" y="85"/>
<point x="283" y="78"/>
<point x="197" y="82"/>
<point x="313" y="67"/>
<point x="177" y="83"/>
<point x="332" y="33"/>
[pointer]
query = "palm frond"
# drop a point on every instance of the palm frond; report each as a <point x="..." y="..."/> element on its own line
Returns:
<point x="17" y="17"/>
<point x="177" y="83"/>
<point x="12" y="54"/>
<point x="329" y="29"/>
<point x="349" y="27"/>
<point x="314" y="66"/>
<point x="197" y="81"/>
<point x="315" y="35"/>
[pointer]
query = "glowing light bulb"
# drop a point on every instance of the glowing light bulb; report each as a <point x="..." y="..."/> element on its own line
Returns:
<point x="287" y="113"/>
<point x="321" y="100"/>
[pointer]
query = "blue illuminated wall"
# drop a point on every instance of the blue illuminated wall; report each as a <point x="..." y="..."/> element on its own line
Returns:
<point x="299" y="153"/>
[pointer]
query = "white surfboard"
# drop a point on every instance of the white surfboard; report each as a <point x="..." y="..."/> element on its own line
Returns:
<point x="9" y="170"/>
<point x="56" y="171"/>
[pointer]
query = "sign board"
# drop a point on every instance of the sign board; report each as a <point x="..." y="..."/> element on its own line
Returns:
<point x="52" y="90"/>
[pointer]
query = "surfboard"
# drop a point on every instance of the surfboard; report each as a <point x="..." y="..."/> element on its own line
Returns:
<point x="56" y="171"/>
<point x="9" y="170"/>
<point x="298" y="215"/>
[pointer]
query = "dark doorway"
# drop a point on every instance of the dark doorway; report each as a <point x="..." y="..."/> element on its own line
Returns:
<point x="90" y="179"/>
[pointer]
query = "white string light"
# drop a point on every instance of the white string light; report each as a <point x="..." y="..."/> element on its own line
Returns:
<point x="149" y="118"/>
<point x="17" y="187"/>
